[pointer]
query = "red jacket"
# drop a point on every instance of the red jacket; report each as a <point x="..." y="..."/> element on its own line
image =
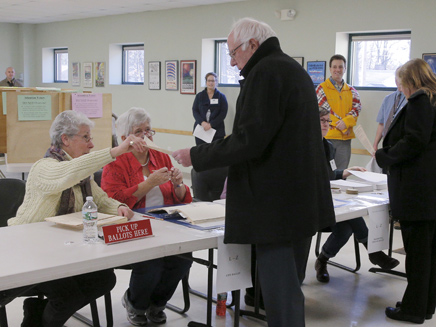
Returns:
<point x="121" y="177"/>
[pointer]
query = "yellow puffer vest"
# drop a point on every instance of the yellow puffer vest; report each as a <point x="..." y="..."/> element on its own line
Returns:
<point x="341" y="103"/>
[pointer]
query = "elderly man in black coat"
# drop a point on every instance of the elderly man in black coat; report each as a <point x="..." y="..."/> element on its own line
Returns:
<point x="278" y="191"/>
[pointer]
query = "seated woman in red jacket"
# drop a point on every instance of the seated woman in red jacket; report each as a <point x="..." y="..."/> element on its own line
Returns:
<point x="144" y="180"/>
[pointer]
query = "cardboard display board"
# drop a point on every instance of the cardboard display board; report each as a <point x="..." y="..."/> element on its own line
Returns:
<point x="27" y="141"/>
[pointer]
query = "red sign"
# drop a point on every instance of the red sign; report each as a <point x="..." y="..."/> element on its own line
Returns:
<point x="127" y="231"/>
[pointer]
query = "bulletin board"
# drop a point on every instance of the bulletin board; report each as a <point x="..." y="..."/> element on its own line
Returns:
<point x="27" y="141"/>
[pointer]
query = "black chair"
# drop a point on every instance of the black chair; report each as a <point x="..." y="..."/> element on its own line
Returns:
<point x="333" y="263"/>
<point x="208" y="185"/>
<point x="97" y="176"/>
<point x="11" y="197"/>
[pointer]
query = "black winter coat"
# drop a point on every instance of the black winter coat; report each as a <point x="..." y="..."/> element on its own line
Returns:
<point x="278" y="186"/>
<point x="409" y="155"/>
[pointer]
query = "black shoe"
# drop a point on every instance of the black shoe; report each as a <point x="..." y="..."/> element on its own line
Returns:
<point x="428" y="316"/>
<point x="383" y="260"/>
<point x="321" y="271"/>
<point x="397" y="314"/>
<point x="33" y="310"/>
<point x="249" y="300"/>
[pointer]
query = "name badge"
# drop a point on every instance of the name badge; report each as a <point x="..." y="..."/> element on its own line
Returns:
<point x="213" y="101"/>
<point x="333" y="164"/>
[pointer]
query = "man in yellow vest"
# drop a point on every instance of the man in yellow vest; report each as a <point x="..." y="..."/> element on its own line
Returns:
<point x="343" y="103"/>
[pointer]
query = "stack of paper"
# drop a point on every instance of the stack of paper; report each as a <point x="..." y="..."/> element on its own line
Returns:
<point x="195" y="213"/>
<point x="75" y="220"/>
<point x="344" y="185"/>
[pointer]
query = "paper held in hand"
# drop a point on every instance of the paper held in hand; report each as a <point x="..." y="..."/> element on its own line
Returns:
<point x="361" y="135"/>
<point x="206" y="136"/>
<point x="195" y="212"/>
<point x="75" y="220"/>
<point x="152" y="145"/>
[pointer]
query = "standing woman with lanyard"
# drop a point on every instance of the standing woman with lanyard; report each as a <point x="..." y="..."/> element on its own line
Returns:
<point x="210" y="109"/>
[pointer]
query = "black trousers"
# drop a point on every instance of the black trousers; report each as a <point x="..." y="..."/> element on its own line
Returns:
<point x="280" y="272"/>
<point x="419" y="239"/>
<point x="67" y="295"/>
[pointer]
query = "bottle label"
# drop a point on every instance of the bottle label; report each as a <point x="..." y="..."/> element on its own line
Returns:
<point x="89" y="215"/>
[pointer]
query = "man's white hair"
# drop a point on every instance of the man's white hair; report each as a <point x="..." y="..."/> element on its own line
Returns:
<point x="248" y="28"/>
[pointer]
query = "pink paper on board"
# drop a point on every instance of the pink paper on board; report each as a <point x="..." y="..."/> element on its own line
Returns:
<point x="91" y="104"/>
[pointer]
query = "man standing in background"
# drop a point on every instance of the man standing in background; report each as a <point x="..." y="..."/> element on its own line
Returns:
<point x="391" y="105"/>
<point x="10" y="78"/>
<point x="343" y="103"/>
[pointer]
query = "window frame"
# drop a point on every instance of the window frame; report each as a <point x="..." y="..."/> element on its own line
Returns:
<point x="386" y="35"/>
<point x="56" y="51"/>
<point x="216" y="65"/>
<point x="140" y="46"/>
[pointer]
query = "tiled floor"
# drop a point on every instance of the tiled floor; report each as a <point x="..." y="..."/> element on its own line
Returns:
<point x="349" y="300"/>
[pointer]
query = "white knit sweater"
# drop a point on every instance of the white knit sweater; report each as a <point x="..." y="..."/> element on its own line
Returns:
<point x="49" y="177"/>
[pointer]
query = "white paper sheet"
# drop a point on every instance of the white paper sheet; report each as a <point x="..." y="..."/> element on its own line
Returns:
<point x="378" y="235"/>
<point x="370" y="176"/>
<point x="234" y="266"/>
<point x="206" y="136"/>
<point x="361" y="135"/>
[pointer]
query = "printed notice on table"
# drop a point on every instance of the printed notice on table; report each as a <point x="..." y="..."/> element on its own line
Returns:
<point x="91" y="104"/>
<point x="378" y="235"/>
<point x="34" y="107"/>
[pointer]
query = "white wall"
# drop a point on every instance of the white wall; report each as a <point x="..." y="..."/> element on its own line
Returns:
<point x="177" y="34"/>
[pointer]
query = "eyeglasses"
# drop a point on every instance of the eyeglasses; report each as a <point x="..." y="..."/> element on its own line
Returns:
<point x="233" y="52"/>
<point x="86" y="137"/>
<point x="148" y="132"/>
<point x="323" y="121"/>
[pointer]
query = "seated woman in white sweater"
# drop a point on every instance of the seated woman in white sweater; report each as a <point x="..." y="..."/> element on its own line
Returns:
<point x="56" y="185"/>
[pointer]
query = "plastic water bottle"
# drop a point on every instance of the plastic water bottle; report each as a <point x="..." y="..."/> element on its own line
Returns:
<point x="89" y="215"/>
<point x="221" y="304"/>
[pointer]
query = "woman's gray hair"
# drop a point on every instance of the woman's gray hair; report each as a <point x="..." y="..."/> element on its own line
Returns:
<point x="248" y="28"/>
<point x="68" y="122"/>
<point x="131" y="118"/>
<point x="323" y="112"/>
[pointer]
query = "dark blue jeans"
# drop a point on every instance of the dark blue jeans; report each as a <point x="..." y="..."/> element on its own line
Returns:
<point x="154" y="282"/>
<point x="341" y="233"/>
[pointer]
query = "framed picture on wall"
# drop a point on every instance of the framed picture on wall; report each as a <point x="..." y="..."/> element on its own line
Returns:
<point x="99" y="73"/>
<point x="316" y="71"/>
<point x="76" y="74"/>
<point x="172" y="75"/>
<point x="154" y="75"/>
<point x="430" y="58"/>
<point x="300" y="60"/>
<point x="87" y="74"/>
<point x="188" y="76"/>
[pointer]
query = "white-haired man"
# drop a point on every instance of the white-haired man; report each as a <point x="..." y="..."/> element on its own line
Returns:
<point x="275" y="142"/>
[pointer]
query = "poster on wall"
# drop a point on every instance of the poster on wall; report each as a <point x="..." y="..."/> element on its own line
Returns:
<point x="188" y="76"/>
<point x="99" y="74"/>
<point x="76" y="74"/>
<point x="171" y="75"/>
<point x="154" y="75"/>
<point x="316" y="71"/>
<point x="430" y="58"/>
<point x="87" y="74"/>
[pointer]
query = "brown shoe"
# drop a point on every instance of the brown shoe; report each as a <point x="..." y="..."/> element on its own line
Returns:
<point x="321" y="271"/>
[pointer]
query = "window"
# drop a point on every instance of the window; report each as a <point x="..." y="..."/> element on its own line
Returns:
<point x="61" y="65"/>
<point x="227" y="75"/>
<point x="375" y="57"/>
<point x="133" y="64"/>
